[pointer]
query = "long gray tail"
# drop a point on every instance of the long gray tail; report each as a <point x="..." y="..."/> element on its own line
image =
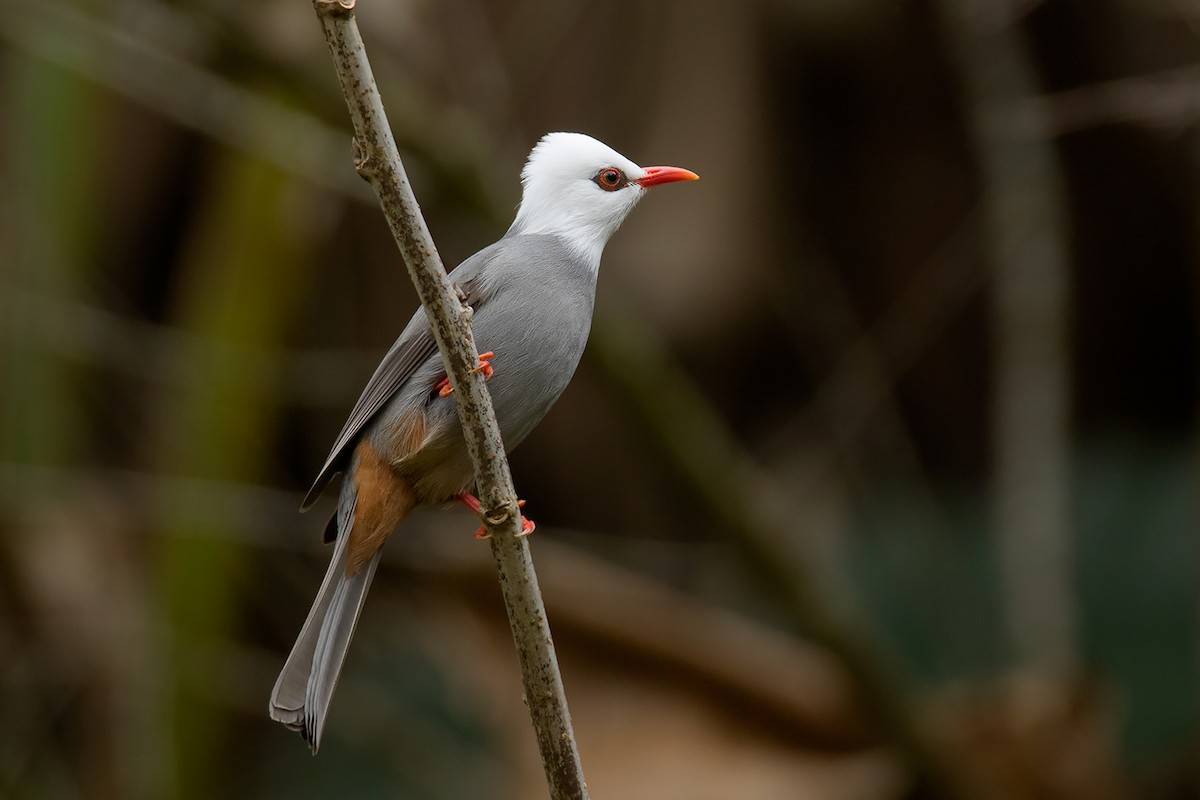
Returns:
<point x="301" y="696"/>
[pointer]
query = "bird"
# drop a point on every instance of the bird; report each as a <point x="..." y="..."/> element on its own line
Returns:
<point x="531" y="293"/>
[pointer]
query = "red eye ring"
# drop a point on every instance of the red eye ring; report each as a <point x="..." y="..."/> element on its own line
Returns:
<point x="610" y="179"/>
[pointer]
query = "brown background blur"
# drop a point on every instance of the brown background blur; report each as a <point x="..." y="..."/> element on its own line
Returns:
<point x="879" y="478"/>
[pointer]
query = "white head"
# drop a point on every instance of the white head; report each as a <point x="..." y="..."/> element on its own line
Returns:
<point x="581" y="189"/>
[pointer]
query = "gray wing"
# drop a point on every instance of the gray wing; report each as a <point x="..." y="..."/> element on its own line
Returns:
<point x="415" y="346"/>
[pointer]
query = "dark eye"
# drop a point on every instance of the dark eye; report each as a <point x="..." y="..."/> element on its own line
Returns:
<point x="610" y="179"/>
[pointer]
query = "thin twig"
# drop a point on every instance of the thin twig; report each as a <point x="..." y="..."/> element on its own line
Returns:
<point x="749" y="502"/>
<point x="184" y="92"/>
<point x="784" y="680"/>
<point x="378" y="162"/>
<point x="1030" y="302"/>
<point x="1166" y="100"/>
<point x="160" y="355"/>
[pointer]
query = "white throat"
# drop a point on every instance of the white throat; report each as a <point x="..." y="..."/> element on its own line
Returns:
<point x="584" y="235"/>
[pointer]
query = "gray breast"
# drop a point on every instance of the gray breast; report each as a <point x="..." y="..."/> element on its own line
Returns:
<point x="536" y="317"/>
<point x="537" y="322"/>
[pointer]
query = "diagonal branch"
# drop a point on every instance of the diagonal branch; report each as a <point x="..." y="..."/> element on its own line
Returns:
<point x="742" y="497"/>
<point x="377" y="161"/>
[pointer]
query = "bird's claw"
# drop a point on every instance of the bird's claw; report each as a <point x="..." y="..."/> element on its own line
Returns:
<point x="469" y="500"/>
<point x="443" y="387"/>
<point x="485" y="364"/>
<point x="527" y="527"/>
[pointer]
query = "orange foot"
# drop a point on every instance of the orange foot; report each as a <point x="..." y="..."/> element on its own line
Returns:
<point x="471" y="502"/>
<point x="443" y="387"/>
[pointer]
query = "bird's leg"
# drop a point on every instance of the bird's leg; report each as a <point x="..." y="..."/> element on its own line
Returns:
<point x="443" y="387"/>
<point x="470" y="501"/>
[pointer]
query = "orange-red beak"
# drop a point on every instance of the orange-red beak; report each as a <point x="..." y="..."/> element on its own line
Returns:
<point x="656" y="175"/>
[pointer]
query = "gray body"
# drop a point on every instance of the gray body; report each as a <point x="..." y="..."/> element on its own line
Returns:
<point x="532" y="302"/>
<point x="532" y="298"/>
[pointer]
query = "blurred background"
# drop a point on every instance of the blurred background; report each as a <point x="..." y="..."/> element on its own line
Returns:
<point x="879" y="478"/>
